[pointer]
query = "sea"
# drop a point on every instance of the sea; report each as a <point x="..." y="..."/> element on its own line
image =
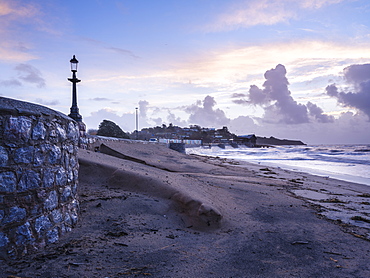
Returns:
<point x="344" y="162"/>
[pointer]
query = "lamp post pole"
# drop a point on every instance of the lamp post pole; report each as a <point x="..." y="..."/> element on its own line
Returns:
<point x="74" y="108"/>
<point x="137" y="125"/>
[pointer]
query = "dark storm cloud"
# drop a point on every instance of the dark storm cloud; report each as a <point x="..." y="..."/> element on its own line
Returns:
<point x="204" y="114"/>
<point x="30" y="74"/>
<point x="276" y="99"/>
<point x="358" y="76"/>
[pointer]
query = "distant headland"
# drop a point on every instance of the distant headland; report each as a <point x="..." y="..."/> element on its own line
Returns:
<point x="204" y="135"/>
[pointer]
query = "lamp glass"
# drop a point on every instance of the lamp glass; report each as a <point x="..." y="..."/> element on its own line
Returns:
<point x="74" y="63"/>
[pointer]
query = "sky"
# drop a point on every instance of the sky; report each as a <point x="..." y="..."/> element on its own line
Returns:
<point x="295" y="69"/>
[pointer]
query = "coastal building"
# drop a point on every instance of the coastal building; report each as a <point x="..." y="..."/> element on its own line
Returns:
<point x="248" y="140"/>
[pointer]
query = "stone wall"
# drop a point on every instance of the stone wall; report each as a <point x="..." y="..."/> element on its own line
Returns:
<point x="38" y="176"/>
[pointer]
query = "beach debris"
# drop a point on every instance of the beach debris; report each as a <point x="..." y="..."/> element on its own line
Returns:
<point x="359" y="236"/>
<point x="299" y="242"/>
<point x="334" y="200"/>
<point x="360" y="218"/>
<point x="120" y="244"/>
<point x="116" y="234"/>
<point x="164" y="247"/>
<point x="135" y="271"/>
<point x="333" y="253"/>
<point x="364" y="195"/>
<point x="296" y="181"/>
<point x="268" y="171"/>
<point x="76" y="264"/>
<point x="171" y="236"/>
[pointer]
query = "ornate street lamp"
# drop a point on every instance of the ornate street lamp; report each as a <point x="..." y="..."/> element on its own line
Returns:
<point x="74" y="109"/>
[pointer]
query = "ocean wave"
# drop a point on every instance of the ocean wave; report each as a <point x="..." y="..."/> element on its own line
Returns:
<point x="362" y="150"/>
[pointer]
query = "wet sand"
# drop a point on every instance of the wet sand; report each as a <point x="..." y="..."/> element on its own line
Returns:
<point x="149" y="211"/>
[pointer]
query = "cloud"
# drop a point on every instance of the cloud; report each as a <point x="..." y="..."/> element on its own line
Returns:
<point x="251" y="13"/>
<point x="123" y="51"/>
<point x="358" y="97"/>
<point x="101" y="44"/>
<point x="279" y="105"/>
<point x="11" y="83"/>
<point x="143" y="108"/>
<point x="30" y="74"/>
<point x="45" y="102"/>
<point x="26" y="73"/>
<point x="100" y="99"/>
<point x="357" y="74"/>
<point x="243" y="125"/>
<point x="171" y="118"/>
<point x="11" y="11"/>
<point x="317" y="4"/>
<point x="263" y="12"/>
<point x="206" y="115"/>
<point x="306" y="60"/>
<point x="349" y="128"/>
<point x="318" y="113"/>
<point x="125" y="121"/>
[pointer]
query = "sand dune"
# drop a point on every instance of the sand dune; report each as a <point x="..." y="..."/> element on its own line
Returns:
<point x="149" y="211"/>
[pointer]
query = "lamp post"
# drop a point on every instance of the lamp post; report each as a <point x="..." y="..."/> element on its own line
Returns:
<point x="137" y="125"/>
<point x="74" y="109"/>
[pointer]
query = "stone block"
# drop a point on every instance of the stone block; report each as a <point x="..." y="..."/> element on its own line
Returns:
<point x="24" y="235"/>
<point x="17" y="129"/>
<point x="42" y="225"/>
<point x="61" y="133"/>
<point x="67" y="219"/>
<point x="36" y="210"/>
<point x="4" y="157"/>
<point x="24" y="155"/>
<point x="48" y="177"/>
<point x="8" y="182"/>
<point x="39" y="157"/>
<point x="52" y="236"/>
<point x="73" y="132"/>
<point x="57" y="216"/>
<point x="39" y="131"/>
<point x="52" y="201"/>
<point x="61" y="177"/>
<point x="66" y="194"/>
<point x="3" y="239"/>
<point x="54" y="155"/>
<point x="29" y="180"/>
<point x="15" y="214"/>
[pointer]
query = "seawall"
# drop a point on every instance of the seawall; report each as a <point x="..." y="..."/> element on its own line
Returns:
<point x="38" y="176"/>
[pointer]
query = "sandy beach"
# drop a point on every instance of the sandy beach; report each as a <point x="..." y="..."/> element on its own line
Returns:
<point x="146" y="210"/>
